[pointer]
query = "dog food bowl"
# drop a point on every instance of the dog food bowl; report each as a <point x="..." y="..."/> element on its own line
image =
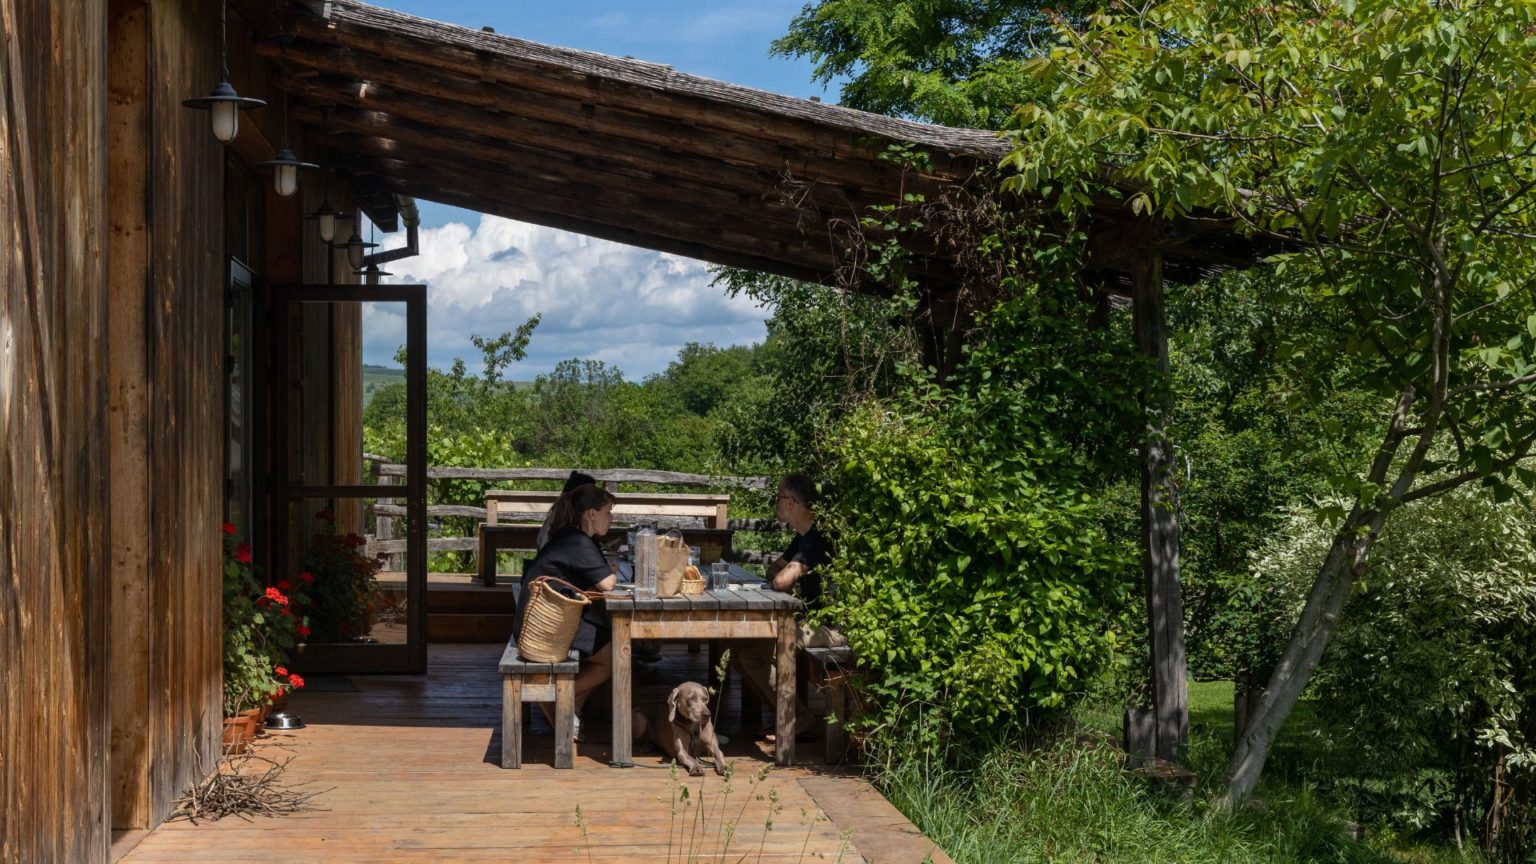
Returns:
<point x="284" y="720"/>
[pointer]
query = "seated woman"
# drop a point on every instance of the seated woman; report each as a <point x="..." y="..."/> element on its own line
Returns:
<point x="579" y="518"/>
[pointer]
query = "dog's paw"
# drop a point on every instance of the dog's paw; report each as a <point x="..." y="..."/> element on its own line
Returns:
<point x="720" y="767"/>
<point x="696" y="770"/>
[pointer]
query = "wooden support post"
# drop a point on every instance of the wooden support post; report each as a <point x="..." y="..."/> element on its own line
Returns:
<point x="1159" y="522"/>
<point x="784" y="709"/>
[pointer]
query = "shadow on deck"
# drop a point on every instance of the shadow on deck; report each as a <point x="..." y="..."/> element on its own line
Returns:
<point x="406" y="770"/>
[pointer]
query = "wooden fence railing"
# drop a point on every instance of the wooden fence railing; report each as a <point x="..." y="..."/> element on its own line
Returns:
<point x="387" y="511"/>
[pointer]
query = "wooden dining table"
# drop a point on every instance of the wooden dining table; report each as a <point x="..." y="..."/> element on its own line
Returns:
<point x="747" y="612"/>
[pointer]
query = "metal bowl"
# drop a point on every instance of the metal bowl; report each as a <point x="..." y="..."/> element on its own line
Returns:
<point x="284" y="720"/>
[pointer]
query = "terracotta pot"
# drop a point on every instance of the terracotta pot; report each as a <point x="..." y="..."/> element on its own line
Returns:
<point x="250" y="721"/>
<point x="234" y="735"/>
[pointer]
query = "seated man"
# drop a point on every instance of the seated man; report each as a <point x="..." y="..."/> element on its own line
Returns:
<point x="796" y="571"/>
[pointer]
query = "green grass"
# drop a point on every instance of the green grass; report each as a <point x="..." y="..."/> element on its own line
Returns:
<point x="1070" y="800"/>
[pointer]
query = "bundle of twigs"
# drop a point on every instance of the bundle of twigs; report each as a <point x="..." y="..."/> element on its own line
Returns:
<point x="244" y="785"/>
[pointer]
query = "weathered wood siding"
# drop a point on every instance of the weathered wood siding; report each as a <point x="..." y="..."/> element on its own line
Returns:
<point x="166" y="361"/>
<point x="184" y="338"/>
<point x="53" y="452"/>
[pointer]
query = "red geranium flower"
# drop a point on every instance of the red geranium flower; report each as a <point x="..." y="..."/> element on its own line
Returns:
<point x="307" y="577"/>
<point x="229" y="528"/>
<point x="295" y="681"/>
<point x="302" y="630"/>
<point x="276" y="596"/>
<point x="243" y="553"/>
<point x="283" y="585"/>
<point x="326" y="516"/>
<point x="281" y="671"/>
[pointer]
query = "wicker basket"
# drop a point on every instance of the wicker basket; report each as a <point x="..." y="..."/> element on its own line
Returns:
<point x="693" y="582"/>
<point x="551" y="622"/>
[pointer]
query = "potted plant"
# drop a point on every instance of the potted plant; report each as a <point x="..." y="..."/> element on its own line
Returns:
<point x="260" y="631"/>
<point x="342" y="591"/>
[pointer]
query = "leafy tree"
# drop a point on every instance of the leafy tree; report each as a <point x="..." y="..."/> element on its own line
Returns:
<point x="456" y="400"/>
<point x="703" y="376"/>
<point x="1452" y="594"/>
<point x="956" y="62"/>
<point x="825" y="349"/>
<point x="1387" y="147"/>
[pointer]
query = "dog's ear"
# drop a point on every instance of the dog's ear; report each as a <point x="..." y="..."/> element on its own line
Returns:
<point x="672" y="706"/>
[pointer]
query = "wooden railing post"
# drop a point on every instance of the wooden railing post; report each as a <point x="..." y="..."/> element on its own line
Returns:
<point x="384" y="526"/>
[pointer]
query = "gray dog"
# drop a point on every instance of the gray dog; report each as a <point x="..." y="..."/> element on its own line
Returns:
<point x="682" y="728"/>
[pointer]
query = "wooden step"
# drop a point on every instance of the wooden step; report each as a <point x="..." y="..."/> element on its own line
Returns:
<point x="469" y="627"/>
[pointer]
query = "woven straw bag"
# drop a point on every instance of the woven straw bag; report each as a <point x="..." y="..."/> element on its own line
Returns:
<point x="693" y="581"/>
<point x="551" y="622"/>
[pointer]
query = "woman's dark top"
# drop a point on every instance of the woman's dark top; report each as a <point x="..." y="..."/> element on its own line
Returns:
<point x="575" y="557"/>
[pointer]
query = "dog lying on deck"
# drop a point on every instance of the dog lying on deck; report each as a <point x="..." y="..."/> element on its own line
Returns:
<point x="682" y="728"/>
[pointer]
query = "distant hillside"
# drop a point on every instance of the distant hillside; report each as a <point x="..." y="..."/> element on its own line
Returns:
<point x="376" y="378"/>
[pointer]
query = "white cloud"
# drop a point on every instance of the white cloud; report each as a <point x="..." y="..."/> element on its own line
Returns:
<point x="627" y="306"/>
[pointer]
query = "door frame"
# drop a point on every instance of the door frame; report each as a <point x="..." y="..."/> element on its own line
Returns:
<point x="411" y="657"/>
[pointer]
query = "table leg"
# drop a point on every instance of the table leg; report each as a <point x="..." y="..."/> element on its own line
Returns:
<point x="623" y="741"/>
<point x="784" y="712"/>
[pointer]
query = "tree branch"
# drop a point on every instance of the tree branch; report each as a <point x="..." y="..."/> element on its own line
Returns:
<point x="1487" y="386"/>
<point x="1465" y="477"/>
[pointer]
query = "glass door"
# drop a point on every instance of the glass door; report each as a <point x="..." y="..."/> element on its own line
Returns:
<point x="349" y="526"/>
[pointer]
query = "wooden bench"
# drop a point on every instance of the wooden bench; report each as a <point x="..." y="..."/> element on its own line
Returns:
<point x="528" y="506"/>
<point x="829" y="669"/>
<point x="522" y="681"/>
<point x="713" y="540"/>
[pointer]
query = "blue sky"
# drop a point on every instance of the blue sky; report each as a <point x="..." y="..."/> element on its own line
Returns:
<point x="629" y="307"/>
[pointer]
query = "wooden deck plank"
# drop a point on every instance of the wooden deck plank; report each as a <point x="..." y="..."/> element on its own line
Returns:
<point x="407" y="769"/>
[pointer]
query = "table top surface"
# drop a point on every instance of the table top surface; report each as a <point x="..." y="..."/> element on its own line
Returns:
<point x="749" y="592"/>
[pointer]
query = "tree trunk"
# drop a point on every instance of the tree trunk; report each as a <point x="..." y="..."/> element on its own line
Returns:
<point x="1309" y="639"/>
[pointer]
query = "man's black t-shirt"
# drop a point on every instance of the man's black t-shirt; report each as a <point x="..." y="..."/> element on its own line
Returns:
<point x="811" y="550"/>
<point x="575" y="557"/>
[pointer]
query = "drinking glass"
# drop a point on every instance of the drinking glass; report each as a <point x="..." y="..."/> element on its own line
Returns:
<point x="719" y="574"/>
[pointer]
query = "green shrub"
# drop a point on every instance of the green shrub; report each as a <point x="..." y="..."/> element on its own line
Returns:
<point x="975" y="575"/>
<point x="1433" y="691"/>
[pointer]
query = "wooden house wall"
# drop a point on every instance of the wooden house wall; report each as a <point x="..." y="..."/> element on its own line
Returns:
<point x="53" y="410"/>
<point x="167" y="399"/>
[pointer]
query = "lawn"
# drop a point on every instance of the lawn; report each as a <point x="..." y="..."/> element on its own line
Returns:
<point x="1070" y="800"/>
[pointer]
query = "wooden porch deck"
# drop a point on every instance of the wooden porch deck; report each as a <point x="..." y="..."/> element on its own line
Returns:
<point x="405" y="768"/>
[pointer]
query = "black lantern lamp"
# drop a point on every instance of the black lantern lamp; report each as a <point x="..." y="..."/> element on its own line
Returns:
<point x="325" y="215"/>
<point x="285" y="166"/>
<point x="372" y="270"/>
<point x="356" y="248"/>
<point x="223" y="103"/>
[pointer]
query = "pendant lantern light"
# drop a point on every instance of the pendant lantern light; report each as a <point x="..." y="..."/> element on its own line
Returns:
<point x="356" y="248"/>
<point x="285" y="166"/>
<point x="372" y="270"/>
<point x="325" y="215"/>
<point x="223" y="103"/>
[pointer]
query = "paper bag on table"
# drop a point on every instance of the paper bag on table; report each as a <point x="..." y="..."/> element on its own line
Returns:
<point x="671" y="561"/>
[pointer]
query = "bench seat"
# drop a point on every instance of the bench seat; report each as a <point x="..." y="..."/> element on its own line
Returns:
<point x="525" y="681"/>
<point x="830" y="670"/>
